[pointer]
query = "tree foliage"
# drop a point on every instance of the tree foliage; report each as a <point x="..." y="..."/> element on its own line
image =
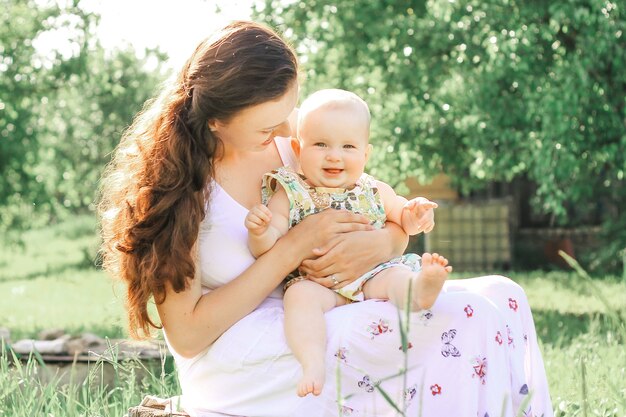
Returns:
<point x="62" y="109"/>
<point x="488" y="90"/>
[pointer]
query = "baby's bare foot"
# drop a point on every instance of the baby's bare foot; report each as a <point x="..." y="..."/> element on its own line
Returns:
<point x="312" y="380"/>
<point x="427" y="285"/>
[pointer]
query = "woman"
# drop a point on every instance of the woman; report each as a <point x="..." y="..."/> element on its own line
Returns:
<point x="173" y="205"/>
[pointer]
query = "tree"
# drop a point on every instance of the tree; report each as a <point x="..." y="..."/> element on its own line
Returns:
<point x="482" y="90"/>
<point x="62" y="111"/>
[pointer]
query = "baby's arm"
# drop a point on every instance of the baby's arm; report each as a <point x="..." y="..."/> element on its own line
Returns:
<point x="414" y="216"/>
<point x="267" y="224"/>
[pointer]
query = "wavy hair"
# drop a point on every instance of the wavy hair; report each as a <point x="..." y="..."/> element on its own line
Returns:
<point x="153" y="193"/>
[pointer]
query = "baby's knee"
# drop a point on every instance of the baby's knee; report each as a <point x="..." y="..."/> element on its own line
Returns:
<point x="307" y="294"/>
<point x="300" y="290"/>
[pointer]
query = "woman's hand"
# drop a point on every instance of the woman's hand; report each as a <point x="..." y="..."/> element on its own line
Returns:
<point x="315" y="234"/>
<point x="349" y="255"/>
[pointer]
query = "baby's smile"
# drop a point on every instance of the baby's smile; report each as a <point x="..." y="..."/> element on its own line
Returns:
<point x="333" y="171"/>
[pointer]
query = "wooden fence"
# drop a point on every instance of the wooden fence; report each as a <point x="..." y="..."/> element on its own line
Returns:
<point x="473" y="236"/>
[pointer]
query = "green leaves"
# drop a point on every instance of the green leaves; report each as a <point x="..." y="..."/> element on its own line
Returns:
<point x="481" y="90"/>
<point x="64" y="103"/>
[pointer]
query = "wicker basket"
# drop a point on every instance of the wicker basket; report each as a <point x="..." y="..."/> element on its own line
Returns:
<point x="152" y="406"/>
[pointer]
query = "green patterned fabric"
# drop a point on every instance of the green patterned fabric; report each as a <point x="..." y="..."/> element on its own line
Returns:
<point x="305" y="200"/>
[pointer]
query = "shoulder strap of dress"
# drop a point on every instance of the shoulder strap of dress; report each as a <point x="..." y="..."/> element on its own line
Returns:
<point x="370" y="185"/>
<point x="286" y="153"/>
<point x="288" y="179"/>
<point x="366" y="180"/>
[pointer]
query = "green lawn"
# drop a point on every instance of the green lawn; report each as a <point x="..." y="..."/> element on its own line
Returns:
<point x="580" y="334"/>
<point x="52" y="283"/>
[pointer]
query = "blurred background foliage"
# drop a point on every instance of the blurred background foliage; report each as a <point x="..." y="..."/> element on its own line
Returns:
<point x="484" y="91"/>
<point x="62" y="110"/>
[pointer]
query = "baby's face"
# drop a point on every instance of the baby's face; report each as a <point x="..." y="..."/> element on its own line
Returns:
<point x="334" y="146"/>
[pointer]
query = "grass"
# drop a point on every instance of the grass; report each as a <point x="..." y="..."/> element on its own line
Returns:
<point x="22" y="394"/>
<point x="52" y="283"/>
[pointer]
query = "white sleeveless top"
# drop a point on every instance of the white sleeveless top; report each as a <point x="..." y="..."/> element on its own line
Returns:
<point x="223" y="237"/>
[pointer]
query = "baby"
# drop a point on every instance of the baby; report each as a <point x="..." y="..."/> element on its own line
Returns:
<point x="333" y="134"/>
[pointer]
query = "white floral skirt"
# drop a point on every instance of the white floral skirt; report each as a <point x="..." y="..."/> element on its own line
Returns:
<point x="473" y="354"/>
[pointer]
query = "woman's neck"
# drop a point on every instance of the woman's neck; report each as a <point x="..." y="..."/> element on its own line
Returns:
<point x="235" y="168"/>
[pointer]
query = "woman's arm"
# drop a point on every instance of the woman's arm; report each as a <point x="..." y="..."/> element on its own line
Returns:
<point x="194" y="321"/>
<point x="350" y="255"/>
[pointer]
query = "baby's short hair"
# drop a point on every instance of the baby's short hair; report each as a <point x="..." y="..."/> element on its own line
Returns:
<point x="332" y="98"/>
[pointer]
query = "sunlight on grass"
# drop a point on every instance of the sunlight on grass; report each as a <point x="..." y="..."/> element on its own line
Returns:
<point x="53" y="283"/>
<point x="50" y="251"/>
<point x="74" y="300"/>
<point x="566" y="292"/>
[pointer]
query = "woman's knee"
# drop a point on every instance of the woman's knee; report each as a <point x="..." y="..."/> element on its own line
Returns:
<point x="456" y="300"/>
<point x="463" y="305"/>
<point x="498" y="279"/>
<point x="487" y="285"/>
<point x="504" y="285"/>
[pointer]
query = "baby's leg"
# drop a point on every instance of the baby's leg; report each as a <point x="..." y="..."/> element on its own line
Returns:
<point x="305" y="326"/>
<point x="394" y="283"/>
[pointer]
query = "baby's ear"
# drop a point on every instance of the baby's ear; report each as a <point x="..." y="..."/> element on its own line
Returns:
<point x="295" y="146"/>
<point x="368" y="150"/>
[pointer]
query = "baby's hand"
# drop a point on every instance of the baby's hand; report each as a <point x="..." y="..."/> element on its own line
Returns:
<point x="422" y="214"/>
<point x="258" y="219"/>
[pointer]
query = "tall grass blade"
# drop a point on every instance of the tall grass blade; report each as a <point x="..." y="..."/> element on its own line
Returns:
<point x="617" y="321"/>
<point x="389" y="399"/>
<point x="613" y="313"/>
<point x="583" y="382"/>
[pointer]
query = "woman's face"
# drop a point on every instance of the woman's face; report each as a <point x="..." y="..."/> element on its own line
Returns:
<point x="253" y="129"/>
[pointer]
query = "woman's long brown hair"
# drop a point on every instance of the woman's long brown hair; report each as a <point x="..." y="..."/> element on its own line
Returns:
<point x="154" y="193"/>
